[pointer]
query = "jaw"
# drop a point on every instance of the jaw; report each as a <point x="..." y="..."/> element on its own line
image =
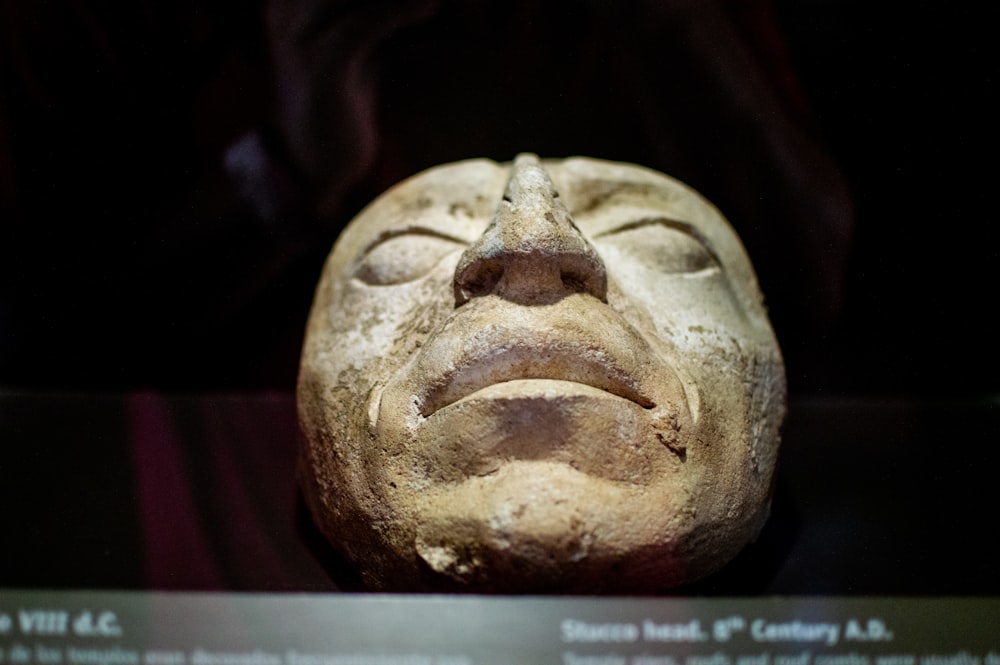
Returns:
<point x="513" y="489"/>
<point x="536" y="485"/>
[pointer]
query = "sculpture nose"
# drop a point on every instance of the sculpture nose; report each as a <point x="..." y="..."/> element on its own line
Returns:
<point x="532" y="252"/>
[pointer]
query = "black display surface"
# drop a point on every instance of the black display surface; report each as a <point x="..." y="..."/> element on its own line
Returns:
<point x="147" y="491"/>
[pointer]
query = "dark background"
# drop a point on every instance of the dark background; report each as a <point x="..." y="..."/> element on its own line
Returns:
<point x="172" y="175"/>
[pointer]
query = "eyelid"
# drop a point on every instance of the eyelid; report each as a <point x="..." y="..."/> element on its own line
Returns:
<point x="409" y="230"/>
<point x="403" y="254"/>
<point x="675" y="224"/>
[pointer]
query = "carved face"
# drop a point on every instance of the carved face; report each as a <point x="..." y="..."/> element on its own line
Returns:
<point x="545" y="376"/>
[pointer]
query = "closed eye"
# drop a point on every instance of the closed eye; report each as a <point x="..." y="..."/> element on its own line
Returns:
<point x="662" y="244"/>
<point x="404" y="255"/>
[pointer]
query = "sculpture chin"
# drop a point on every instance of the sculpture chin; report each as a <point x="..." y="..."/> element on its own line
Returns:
<point x="533" y="523"/>
<point x="544" y="527"/>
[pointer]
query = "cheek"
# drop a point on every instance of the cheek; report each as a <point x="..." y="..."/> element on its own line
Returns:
<point x="696" y="316"/>
<point x="375" y="331"/>
<point x="700" y="329"/>
<point x="686" y="307"/>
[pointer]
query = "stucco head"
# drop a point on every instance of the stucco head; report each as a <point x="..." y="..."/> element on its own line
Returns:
<point x="539" y="376"/>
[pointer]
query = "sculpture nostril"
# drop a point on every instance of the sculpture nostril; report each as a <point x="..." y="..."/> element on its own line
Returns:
<point x="485" y="279"/>
<point x="478" y="279"/>
<point x="583" y="273"/>
<point x="574" y="282"/>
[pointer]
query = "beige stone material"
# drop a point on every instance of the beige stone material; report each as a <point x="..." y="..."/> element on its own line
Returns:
<point x="551" y="376"/>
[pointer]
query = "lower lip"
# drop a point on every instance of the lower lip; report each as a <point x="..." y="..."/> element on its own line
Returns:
<point x="562" y="422"/>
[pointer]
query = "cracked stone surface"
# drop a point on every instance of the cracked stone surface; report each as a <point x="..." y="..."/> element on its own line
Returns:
<point x="550" y="376"/>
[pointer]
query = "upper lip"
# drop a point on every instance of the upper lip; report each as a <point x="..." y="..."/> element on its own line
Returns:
<point x="507" y="366"/>
<point x="518" y="353"/>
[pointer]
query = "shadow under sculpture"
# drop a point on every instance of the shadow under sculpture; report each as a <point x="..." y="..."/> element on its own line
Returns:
<point x="545" y="376"/>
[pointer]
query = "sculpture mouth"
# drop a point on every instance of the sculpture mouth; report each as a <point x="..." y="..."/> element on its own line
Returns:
<point x="521" y="366"/>
<point x="568" y="386"/>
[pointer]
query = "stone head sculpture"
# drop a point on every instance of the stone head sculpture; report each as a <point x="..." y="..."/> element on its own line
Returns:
<point x="545" y="376"/>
